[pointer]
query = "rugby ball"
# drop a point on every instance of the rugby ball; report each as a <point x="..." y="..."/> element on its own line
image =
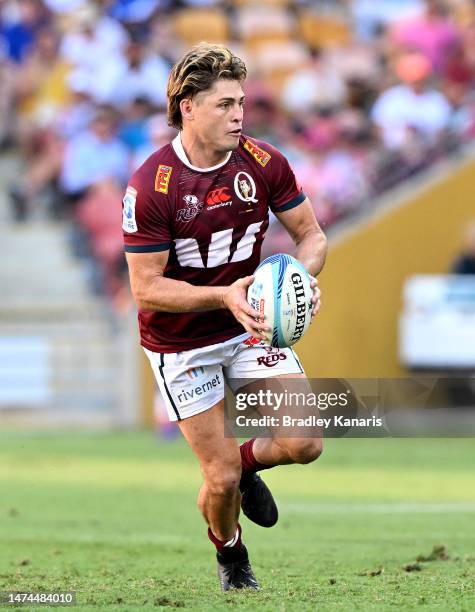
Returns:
<point x="281" y="290"/>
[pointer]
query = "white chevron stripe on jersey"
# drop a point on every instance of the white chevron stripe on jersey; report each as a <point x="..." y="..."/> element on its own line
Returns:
<point x="246" y="244"/>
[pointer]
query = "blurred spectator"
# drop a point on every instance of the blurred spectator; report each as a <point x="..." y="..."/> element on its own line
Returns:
<point x="158" y="133"/>
<point x="134" y="126"/>
<point x="64" y="6"/>
<point x="45" y="162"/>
<point x="94" y="155"/>
<point x="136" y="11"/>
<point x="163" y="39"/>
<point x="90" y="36"/>
<point x="40" y="92"/>
<point x="413" y="109"/>
<point x="369" y="16"/>
<point x="41" y="88"/>
<point x="19" y="25"/>
<point x="433" y="34"/>
<point x="315" y="85"/>
<point x="334" y="173"/>
<point x="465" y="264"/>
<point x="7" y="116"/>
<point x="138" y="74"/>
<point x="98" y="215"/>
<point x="121" y="78"/>
<point x="78" y="114"/>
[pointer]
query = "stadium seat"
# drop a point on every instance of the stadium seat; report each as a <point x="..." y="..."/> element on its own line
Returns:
<point x="323" y="30"/>
<point x="256" y="25"/>
<point x="277" y="60"/>
<point x="194" y="25"/>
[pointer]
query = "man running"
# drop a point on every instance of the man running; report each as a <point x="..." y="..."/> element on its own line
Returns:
<point x="194" y="218"/>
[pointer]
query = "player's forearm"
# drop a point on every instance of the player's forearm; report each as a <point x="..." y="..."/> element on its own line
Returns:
<point x="169" y="295"/>
<point x="312" y="251"/>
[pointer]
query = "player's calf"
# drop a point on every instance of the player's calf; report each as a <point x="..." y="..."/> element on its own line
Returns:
<point x="219" y="498"/>
<point x="302" y="450"/>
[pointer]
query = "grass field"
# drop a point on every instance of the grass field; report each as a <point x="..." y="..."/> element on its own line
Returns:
<point x="113" y="518"/>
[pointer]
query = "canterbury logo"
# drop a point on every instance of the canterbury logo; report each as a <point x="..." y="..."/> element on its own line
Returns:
<point x="217" y="196"/>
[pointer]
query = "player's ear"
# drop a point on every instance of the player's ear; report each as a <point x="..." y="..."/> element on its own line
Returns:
<point x="186" y="108"/>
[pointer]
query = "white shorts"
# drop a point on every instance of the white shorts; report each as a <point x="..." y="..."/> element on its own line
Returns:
<point x="194" y="381"/>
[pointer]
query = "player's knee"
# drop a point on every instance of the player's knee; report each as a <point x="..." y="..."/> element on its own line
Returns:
<point x="224" y="479"/>
<point x="305" y="451"/>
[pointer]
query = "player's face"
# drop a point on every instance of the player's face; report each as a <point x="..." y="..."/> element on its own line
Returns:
<point x="217" y="115"/>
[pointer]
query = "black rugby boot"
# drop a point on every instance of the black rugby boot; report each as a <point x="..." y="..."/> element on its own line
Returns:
<point x="234" y="569"/>
<point x="257" y="502"/>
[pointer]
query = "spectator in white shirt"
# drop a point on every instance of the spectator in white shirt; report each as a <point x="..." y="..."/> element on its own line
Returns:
<point x="315" y="85"/>
<point x="94" y="155"/>
<point x="93" y="39"/>
<point x="119" y="79"/>
<point x="139" y="75"/>
<point x="412" y="107"/>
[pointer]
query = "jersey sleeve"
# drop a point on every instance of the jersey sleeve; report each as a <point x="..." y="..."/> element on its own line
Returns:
<point x="146" y="221"/>
<point x="285" y="193"/>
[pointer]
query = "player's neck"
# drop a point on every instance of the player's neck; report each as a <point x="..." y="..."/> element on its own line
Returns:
<point x="197" y="154"/>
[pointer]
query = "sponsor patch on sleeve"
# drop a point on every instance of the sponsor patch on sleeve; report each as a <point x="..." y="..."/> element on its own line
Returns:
<point x="162" y="178"/>
<point x="129" y="223"/>
<point x="261" y="156"/>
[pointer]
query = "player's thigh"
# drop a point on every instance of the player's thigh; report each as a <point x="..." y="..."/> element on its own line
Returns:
<point x="219" y="455"/>
<point x="190" y="382"/>
<point x="288" y="398"/>
<point x="302" y="439"/>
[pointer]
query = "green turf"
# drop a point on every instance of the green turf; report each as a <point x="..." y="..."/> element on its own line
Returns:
<point x="113" y="517"/>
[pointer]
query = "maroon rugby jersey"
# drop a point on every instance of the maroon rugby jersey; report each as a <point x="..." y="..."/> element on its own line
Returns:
<point x="212" y="221"/>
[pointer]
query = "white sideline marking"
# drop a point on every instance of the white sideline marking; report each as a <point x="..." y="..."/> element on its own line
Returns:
<point x="378" y="508"/>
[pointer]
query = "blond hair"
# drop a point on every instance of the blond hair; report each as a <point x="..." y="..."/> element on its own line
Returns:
<point x="197" y="71"/>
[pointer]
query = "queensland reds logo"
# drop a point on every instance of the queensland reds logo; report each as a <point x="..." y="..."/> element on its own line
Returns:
<point x="218" y="197"/>
<point x="193" y="208"/>
<point x="245" y="187"/>
<point x="274" y="355"/>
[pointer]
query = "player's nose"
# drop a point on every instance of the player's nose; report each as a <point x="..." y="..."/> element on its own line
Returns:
<point x="238" y="114"/>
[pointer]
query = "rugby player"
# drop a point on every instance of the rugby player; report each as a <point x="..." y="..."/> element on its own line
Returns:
<point x="194" y="218"/>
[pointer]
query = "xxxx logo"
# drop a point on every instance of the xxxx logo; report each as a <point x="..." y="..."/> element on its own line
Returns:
<point x="218" y="197"/>
<point x="162" y="178"/>
<point x="261" y="156"/>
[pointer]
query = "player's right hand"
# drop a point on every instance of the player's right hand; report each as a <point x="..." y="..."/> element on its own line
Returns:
<point x="235" y="300"/>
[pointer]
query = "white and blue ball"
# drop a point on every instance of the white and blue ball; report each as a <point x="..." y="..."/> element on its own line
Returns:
<point x="281" y="291"/>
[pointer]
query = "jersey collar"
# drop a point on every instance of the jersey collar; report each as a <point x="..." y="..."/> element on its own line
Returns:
<point x="180" y="151"/>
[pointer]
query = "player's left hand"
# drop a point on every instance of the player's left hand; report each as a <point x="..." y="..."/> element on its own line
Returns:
<point x="317" y="304"/>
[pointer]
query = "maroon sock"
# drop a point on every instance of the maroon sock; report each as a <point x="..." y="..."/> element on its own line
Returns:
<point x="235" y="543"/>
<point x="248" y="461"/>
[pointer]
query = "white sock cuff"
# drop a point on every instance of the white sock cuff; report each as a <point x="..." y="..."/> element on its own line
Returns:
<point x="232" y="541"/>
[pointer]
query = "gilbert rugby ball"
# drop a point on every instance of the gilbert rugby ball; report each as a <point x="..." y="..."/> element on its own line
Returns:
<point x="281" y="290"/>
